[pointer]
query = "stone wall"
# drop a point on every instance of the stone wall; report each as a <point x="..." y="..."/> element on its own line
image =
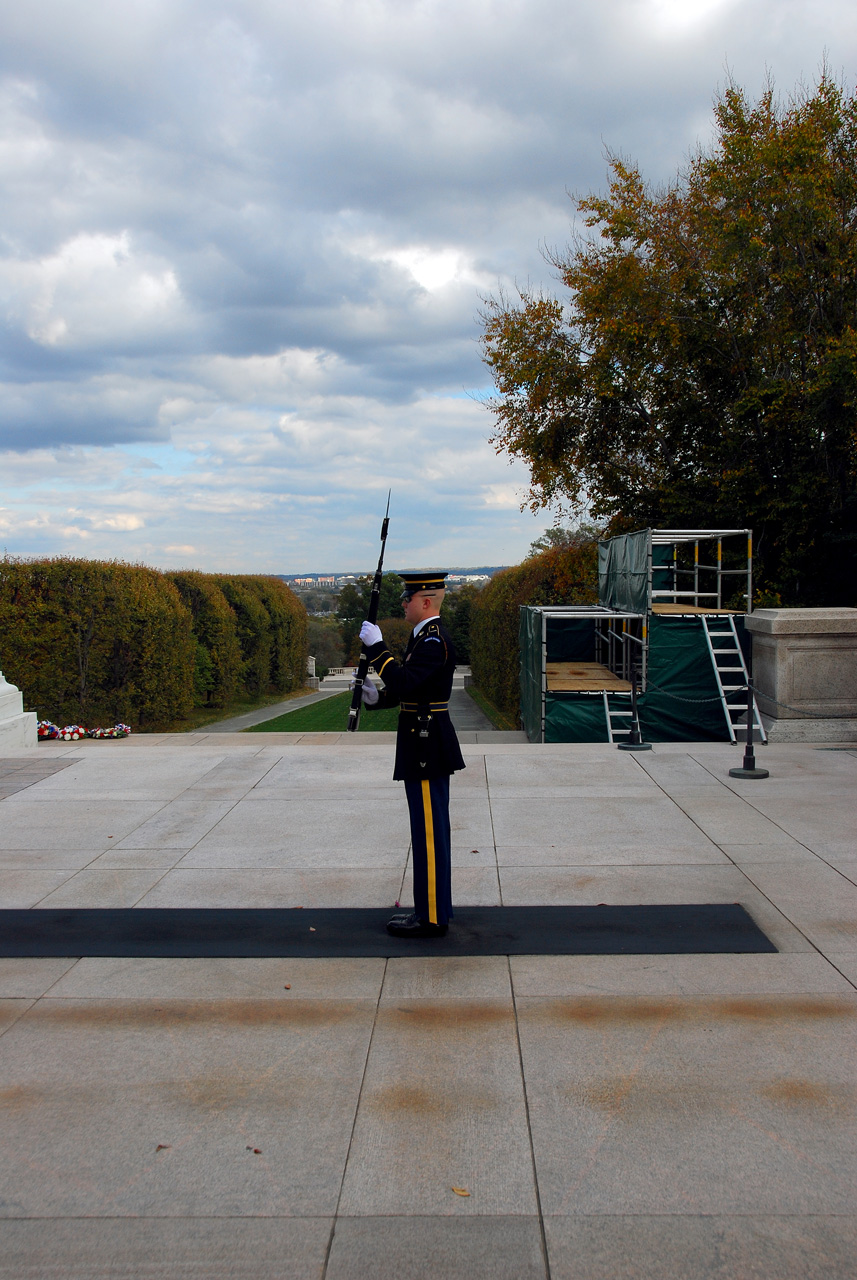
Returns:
<point x="805" y="673"/>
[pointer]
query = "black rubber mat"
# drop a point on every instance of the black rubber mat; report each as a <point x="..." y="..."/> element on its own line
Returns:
<point x="351" y="931"/>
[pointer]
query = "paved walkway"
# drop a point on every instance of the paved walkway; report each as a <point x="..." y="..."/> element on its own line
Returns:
<point x="578" y="1118"/>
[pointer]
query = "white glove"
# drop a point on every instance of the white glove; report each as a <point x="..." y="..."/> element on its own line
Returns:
<point x="369" y="692"/>
<point x="370" y="634"/>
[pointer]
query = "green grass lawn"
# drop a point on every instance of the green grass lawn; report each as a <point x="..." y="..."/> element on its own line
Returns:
<point x="329" y="716"/>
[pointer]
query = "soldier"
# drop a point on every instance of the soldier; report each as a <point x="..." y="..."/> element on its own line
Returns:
<point x="427" y="749"/>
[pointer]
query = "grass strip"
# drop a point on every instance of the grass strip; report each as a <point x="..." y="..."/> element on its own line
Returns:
<point x="329" y="716"/>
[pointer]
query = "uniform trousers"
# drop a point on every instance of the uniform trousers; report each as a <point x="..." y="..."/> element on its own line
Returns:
<point x="428" y="804"/>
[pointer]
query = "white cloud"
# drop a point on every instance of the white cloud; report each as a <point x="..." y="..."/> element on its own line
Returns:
<point x="243" y="248"/>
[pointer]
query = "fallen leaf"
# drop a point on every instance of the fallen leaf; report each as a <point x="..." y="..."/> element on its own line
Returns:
<point x="460" y="1191"/>
<point x="162" y="1146"/>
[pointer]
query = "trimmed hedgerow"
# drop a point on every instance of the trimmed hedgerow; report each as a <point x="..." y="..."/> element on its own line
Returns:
<point x="562" y="575"/>
<point x="92" y="641"/>
<point x="217" y="663"/>
<point x="288" y="631"/>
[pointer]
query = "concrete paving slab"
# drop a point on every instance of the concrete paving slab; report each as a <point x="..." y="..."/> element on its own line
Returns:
<point x="350" y="771"/>
<point x="22" y="889"/>
<point x="230" y="779"/>
<point x="697" y="1105"/>
<point x="714" y="1247"/>
<point x="166" y="1249"/>
<point x="408" y="1248"/>
<point x="819" y="900"/>
<point x="781" y="974"/>
<point x="846" y="963"/>
<point x="538" y="771"/>
<point x="56" y="858"/>
<point x="146" y="775"/>
<point x="674" y="772"/>
<point x="846" y="866"/>
<point x="613" y="853"/>
<point x="296" y="887"/>
<point x="785" y="850"/>
<point x="442" y="1106"/>
<point x="581" y="821"/>
<point x="122" y="859"/>
<point x="470" y="823"/>
<point x="810" y="817"/>
<point x="77" y="824"/>
<point x="724" y="816"/>
<point x="179" y="825"/>
<point x="447" y="978"/>
<point x="298" y="831"/>
<point x="31" y="977"/>
<point x="228" y="1108"/>
<point x="11" y="1009"/>
<point x="97" y="977"/>
<point x="102" y="888"/>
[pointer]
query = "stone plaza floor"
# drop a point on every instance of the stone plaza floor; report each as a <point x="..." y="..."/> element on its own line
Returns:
<point x="608" y="1117"/>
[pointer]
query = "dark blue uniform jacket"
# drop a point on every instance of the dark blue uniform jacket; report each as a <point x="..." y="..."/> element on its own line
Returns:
<point x="426" y="744"/>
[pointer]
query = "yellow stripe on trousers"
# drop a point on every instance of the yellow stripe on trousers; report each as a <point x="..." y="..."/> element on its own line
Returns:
<point x="432" y="877"/>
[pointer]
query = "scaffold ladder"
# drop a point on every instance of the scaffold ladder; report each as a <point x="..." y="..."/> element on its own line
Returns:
<point x="618" y="715"/>
<point x="730" y="672"/>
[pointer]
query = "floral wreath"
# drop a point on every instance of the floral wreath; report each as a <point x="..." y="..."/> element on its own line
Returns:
<point x="72" y="732"/>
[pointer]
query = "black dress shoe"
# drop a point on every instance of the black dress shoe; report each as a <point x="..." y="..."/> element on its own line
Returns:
<point x="413" y="927"/>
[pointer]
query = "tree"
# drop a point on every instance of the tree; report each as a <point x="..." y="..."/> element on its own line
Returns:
<point x="558" y="536"/>
<point x="325" y="644"/>
<point x="703" y="371"/>
<point x="353" y="606"/>
<point x="456" y="614"/>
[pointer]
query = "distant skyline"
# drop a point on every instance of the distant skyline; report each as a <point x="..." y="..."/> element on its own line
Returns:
<point x="243" y="248"/>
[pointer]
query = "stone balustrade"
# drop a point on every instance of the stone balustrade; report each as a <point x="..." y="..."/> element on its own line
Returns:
<point x="805" y="673"/>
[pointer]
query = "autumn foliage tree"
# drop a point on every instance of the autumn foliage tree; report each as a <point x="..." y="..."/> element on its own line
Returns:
<point x="702" y="370"/>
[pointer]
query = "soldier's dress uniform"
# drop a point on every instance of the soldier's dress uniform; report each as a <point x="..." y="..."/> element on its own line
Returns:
<point x="427" y="750"/>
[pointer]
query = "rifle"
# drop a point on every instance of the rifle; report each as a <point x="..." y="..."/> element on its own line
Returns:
<point x="363" y="664"/>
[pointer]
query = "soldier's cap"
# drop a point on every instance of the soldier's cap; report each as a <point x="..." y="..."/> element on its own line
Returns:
<point x="415" y="580"/>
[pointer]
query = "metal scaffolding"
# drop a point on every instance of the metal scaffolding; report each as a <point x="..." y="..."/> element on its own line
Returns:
<point x="714" y="573"/>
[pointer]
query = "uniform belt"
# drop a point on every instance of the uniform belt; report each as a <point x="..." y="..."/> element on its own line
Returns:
<point x="422" y="706"/>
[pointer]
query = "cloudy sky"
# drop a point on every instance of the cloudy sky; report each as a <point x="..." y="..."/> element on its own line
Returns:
<point x="243" y="244"/>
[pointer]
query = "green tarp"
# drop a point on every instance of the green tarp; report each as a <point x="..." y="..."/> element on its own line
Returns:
<point x="530" y="645"/>
<point x="575" y="717"/>
<point x="680" y="675"/>
<point x="623" y="572"/>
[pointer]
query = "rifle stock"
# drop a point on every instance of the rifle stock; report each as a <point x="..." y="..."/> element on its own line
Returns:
<point x="374" y="600"/>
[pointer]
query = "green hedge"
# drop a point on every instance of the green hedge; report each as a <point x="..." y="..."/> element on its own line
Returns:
<point x="217" y="662"/>
<point x="97" y="642"/>
<point x="562" y="575"/>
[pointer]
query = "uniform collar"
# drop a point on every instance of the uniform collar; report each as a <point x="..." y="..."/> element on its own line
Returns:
<point x="418" y="628"/>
